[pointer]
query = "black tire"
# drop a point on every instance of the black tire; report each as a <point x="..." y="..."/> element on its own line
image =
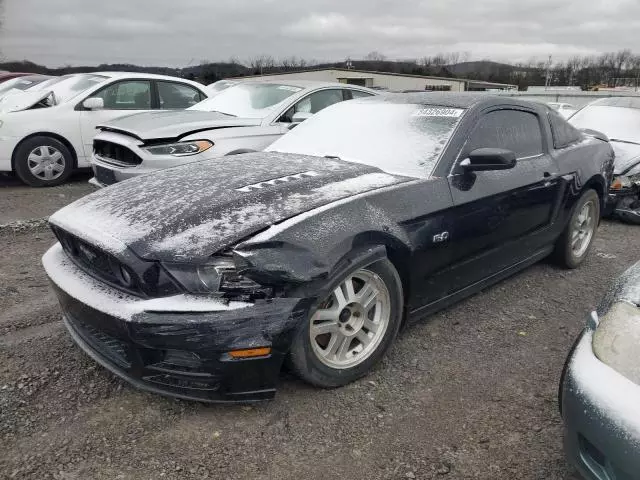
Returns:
<point x="59" y="169"/>
<point x="304" y="361"/>
<point x="564" y="251"/>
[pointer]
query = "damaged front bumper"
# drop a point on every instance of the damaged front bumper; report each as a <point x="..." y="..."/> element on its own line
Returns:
<point x="624" y="206"/>
<point x="178" y="346"/>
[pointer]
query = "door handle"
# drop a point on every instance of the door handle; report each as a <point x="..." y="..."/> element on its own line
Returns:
<point x="549" y="178"/>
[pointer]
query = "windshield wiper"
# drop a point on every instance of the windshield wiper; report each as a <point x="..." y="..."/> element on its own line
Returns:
<point x="332" y="157"/>
<point x="623" y="141"/>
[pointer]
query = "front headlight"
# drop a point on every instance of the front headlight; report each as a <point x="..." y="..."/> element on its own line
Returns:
<point x="620" y="182"/>
<point x="180" y="149"/>
<point x="616" y="341"/>
<point x="218" y="275"/>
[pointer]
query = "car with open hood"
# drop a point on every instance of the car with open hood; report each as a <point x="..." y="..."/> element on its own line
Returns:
<point x="46" y="133"/>
<point x="199" y="281"/>
<point x="600" y="387"/>
<point x="245" y="117"/>
<point x="619" y="119"/>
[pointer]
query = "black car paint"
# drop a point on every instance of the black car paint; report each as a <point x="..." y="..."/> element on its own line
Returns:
<point x="495" y="223"/>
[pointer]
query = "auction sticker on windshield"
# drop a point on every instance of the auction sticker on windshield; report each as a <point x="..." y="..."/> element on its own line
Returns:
<point x="438" y="112"/>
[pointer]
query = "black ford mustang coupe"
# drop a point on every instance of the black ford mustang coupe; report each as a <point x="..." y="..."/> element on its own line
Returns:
<point x="199" y="281"/>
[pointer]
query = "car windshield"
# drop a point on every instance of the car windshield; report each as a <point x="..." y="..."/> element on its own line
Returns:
<point x="404" y="139"/>
<point x="615" y="122"/>
<point x="75" y="85"/>
<point x="20" y="83"/>
<point x="248" y="100"/>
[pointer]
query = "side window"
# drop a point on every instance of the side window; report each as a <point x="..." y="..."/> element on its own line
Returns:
<point x="127" y="95"/>
<point x="513" y="130"/>
<point x="351" y="94"/>
<point x="177" y="95"/>
<point x="314" y="103"/>
<point x="564" y="134"/>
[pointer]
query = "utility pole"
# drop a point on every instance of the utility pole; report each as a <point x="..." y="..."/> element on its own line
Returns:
<point x="547" y="82"/>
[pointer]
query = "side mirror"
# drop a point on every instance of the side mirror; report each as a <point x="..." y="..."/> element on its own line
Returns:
<point x="93" y="103"/>
<point x="483" y="159"/>
<point x="300" y="117"/>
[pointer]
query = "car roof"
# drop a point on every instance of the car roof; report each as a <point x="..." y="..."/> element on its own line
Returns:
<point x="452" y="99"/>
<point x="624" y="102"/>
<point x="302" y="83"/>
<point x="152" y="76"/>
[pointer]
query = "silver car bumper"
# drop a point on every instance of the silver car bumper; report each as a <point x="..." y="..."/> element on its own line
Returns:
<point x="601" y="412"/>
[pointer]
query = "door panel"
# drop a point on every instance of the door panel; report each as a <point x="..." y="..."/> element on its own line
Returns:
<point x="120" y="98"/>
<point x="501" y="217"/>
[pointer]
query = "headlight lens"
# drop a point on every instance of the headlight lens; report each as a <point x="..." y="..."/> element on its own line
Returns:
<point x="620" y="182"/>
<point x="181" y="149"/>
<point x="218" y="275"/>
<point x="616" y="341"/>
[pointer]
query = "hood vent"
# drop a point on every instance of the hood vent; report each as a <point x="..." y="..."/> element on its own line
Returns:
<point x="277" y="181"/>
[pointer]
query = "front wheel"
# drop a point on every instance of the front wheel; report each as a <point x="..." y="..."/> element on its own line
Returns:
<point x="43" y="161"/>
<point x="575" y="242"/>
<point x="351" y="329"/>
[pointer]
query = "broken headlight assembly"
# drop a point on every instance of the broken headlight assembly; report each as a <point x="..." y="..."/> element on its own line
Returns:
<point x="218" y="275"/>
<point x="180" y="149"/>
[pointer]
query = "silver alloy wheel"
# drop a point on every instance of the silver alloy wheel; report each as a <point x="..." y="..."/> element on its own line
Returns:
<point x="583" y="229"/>
<point x="46" y="162"/>
<point x="351" y="322"/>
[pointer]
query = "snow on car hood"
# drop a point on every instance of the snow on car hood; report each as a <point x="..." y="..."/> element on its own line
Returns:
<point x="22" y="101"/>
<point x="174" y="124"/>
<point x="627" y="156"/>
<point x="190" y="212"/>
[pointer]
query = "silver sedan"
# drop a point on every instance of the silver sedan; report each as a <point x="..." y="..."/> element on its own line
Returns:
<point x="246" y="117"/>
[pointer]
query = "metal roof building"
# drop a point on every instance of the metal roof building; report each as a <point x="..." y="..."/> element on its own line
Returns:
<point x="399" y="82"/>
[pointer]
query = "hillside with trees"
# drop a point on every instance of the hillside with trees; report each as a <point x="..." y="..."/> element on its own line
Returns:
<point x="610" y="69"/>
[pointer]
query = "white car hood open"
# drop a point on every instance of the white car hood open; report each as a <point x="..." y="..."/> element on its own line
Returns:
<point x="22" y="101"/>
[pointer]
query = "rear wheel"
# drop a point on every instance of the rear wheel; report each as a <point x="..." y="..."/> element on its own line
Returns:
<point x="43" y="161"/>
<point x="351" y="328"/>
<point x="575" y="242"/>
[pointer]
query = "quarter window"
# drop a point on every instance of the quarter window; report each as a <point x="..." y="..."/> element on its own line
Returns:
<point x="564" y="134"/>
<point x="513" y="130"/>
<point x="314" y="103"/>
<point x="177" y="96"/>
<point x="129" y="95"/>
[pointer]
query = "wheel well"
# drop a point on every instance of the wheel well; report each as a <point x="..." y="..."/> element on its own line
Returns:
<point x="597" y="183"/>
<point x="60" y="138"/>
<point x="397" y="253"/>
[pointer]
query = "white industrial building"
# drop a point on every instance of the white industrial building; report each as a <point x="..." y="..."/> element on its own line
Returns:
<point x="388" y="81"/>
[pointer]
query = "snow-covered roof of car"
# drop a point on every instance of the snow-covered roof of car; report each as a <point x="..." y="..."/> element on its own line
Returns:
<point x="154" y="76"/>
<point x="302" y="83"/>
<point x="450" y="99"/>
<point x="625" y="102"/>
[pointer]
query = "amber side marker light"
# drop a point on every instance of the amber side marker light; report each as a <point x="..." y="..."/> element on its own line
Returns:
<point x="250" y="352"/>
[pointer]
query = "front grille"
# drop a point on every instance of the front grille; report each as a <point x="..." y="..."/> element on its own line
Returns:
<point x="98" y="263"/>
<point x="115" y="153"/>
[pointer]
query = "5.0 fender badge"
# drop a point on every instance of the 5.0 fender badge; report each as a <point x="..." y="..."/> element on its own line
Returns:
<point x="441" y="237"/>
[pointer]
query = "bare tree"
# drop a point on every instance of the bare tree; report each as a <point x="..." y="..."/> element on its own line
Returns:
<point x="375" y="56"/>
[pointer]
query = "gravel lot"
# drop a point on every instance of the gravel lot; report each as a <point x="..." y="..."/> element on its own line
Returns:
<point x="470" y="393"/>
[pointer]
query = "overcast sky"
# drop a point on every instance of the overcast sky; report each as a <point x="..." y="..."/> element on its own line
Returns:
<point x="183" y="32"/>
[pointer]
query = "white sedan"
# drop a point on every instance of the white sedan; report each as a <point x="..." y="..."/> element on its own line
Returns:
<point x="47" y="133"/>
